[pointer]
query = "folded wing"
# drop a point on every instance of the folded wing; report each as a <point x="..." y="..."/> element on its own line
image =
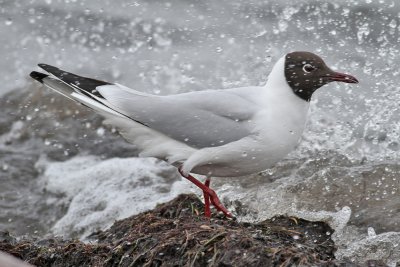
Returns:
<point x="198" y="119"/>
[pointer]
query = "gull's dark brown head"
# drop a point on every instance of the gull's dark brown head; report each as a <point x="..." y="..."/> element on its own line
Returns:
<point x="305" y="72"/>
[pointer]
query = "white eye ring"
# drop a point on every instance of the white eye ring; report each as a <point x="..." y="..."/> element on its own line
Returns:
<point x="307" y="68"/>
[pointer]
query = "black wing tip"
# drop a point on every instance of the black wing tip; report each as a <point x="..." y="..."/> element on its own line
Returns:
<point x="83" y="83"/>
<point x="47" y="67"/>
<point x="38" y="76"/>
<point x="44" y="65"/>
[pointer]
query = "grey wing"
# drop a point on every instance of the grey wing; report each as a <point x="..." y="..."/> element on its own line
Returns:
<point x="200" y="119"/>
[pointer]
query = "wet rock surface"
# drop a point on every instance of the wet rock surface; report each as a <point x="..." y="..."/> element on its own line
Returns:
<point x="176" y="234"/>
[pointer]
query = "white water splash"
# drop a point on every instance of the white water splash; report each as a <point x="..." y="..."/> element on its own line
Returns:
<point x="98" y="192"/>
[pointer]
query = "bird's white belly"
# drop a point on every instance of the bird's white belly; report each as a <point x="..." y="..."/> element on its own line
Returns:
<point x="252" y="154"/>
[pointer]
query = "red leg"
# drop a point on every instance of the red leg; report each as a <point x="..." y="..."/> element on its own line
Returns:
<point x="211" y="194"/>
<point x="207" y="210"/>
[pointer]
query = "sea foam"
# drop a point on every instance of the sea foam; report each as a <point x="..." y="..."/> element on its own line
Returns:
<point x="97" y="192"/>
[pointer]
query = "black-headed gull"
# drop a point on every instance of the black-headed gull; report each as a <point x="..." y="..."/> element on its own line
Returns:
<point x="219" y="133"/>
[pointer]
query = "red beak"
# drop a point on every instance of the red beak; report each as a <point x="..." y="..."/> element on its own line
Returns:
<point x="341" y="77"/>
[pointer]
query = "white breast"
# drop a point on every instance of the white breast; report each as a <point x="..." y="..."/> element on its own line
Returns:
<point x="282" y="122"/>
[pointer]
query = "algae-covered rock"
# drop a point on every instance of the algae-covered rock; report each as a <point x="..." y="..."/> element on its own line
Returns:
<point x="177" y="234"/>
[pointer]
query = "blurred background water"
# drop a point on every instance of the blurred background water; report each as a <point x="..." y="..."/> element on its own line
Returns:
<point x="60" y="170"/>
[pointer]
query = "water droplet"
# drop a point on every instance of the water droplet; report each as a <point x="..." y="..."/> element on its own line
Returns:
<point x="393" y="24"/>
<point x="5" y="167"/>
<point x="371" y="232"/>
<point x="244" y="154"/>
<point x="282" y="26"/>
<point x="8" y="21"/>
<point x="100" y="131"/>
<point x="363" y="32"/>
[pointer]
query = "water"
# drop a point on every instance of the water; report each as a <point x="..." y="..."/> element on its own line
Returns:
<point x="350" y="149"/>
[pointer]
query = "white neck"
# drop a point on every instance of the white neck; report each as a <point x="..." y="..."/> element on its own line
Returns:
<point x="281" y="122"/>
<point x="280" y="100"/>
<point x="277" y="88"/>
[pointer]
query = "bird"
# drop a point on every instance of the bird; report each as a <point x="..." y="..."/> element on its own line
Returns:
<point x="214" y="133"/>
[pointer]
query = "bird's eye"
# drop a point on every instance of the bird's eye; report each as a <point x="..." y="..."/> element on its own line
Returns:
<point x="307" y="68"/>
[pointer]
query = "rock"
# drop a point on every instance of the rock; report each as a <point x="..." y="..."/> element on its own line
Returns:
<point x="177" y="234"/>
<point x="384" y="246"/>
